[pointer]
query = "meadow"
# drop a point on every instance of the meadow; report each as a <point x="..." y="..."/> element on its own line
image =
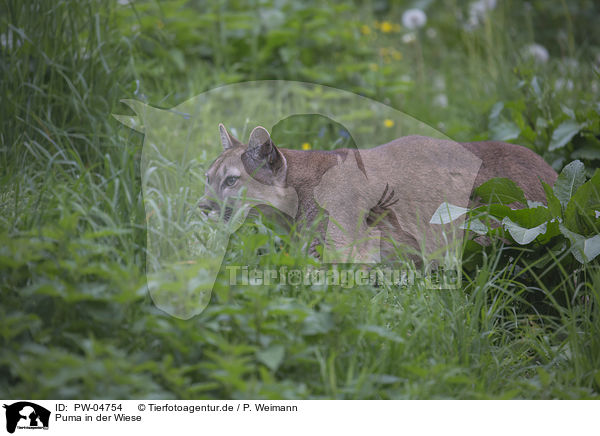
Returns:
<point x="76" y="317"/>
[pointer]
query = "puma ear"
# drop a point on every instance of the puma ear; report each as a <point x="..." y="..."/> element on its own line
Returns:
<point x="258" y="137"/>
<point x="227" y="140"/>
<point x="263" y="152"/>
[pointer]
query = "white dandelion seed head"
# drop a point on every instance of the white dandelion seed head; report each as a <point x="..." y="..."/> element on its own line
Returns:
<point x="537" y="52"/>
<point x="414" y="19"/>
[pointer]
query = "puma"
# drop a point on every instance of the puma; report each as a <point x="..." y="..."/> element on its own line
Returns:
<point x="375" y="201"/>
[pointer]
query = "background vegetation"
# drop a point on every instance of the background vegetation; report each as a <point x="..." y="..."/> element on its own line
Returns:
<point x="76" y="320"/>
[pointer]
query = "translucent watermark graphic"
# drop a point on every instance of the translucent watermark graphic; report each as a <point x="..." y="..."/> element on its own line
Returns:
<point x="375" y="175"/>
<point x="436" y="279"/>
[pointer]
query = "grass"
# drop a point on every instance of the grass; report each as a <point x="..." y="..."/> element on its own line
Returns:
<point x="76" y="318"/>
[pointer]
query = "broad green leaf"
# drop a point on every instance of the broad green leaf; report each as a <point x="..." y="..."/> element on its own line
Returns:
<point x="500" y="190"/>
<point x="446" y="213"/>
<point x="588" y="152"/>
<point x="381" y="333"/>
<point x="385" y="379"/>
<point x="496" y="110"/>
<point x="496" y="210"/>
<point x="523" y="235"/>
<point x="553" y="203"/>
<point x="569" y="180"/>
<point x="583" y="249"/>
<point x="534" y="204"/>
<point x="540" y="123"/>
<point x="530" y="218"/>
<point x="563" y="134"/>
<point x="504" y="131"/>
<point x="527" y="218"/>
<point x="536" y="87"/>
<point x="552" y="252"/>
<point x="272" y="356"/>
<point x="552" y="230"/>
<point x="475" y="225"/>
<point x="567" y="111"/>
<point x="317" y="323"/>
<point x="580" y="214"/>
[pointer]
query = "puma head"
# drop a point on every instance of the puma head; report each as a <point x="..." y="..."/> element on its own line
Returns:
<point x="248" y="174"/>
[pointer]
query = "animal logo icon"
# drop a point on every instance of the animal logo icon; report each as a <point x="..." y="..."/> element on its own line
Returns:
<point x="26" y="415"/>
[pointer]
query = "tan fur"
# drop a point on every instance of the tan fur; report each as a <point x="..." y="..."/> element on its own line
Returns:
<point x="388" y="192"/>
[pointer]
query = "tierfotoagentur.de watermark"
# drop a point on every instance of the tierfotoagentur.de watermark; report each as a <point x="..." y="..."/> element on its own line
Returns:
<point x="438" y="278"/>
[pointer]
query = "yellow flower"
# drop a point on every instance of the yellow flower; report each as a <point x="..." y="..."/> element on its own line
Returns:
<point x="386" y="27"/>
<point x="373" y="67"/>
<point x="365" y="30"/>
<point x="388" y="123"/>
<point x="396" y="55"/>
<point x="306" y="146"/>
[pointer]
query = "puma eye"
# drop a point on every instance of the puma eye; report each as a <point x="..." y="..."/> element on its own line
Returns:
<point x="230" y="181"/>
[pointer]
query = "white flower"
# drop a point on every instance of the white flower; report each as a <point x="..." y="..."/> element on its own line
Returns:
<point x="440" y="100"/>
<point x="537" y="52"/>
<point x="408" y="38"/>
<point x="414" y="18"/>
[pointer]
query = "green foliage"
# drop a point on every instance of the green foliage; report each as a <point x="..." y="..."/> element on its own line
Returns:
<point x="500" y="190"/>
<point x="571" y="214"/>
<point x="76" y="319"/>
